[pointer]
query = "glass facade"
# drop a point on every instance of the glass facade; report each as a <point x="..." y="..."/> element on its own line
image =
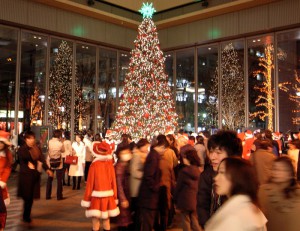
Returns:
<point x="265" y="70"/>
<point x="185" y="89"/>
<point x="106" y="89"/>
<point x="8" y="68"/>
<point x="85" y="81"/>
<point x="261" y="82"/>
<point x="207" y="117"/>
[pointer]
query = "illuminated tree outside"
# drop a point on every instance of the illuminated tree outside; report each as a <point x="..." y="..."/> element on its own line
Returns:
<point x="146" y="106"/>
<point x="265" y="99"/>
<point x="232" y="90"/>
<point x="293" y="90"/>
<point x="60" y="87"/>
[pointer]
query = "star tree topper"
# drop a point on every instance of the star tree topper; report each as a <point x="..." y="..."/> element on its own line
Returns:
<point x="147" y="10"/>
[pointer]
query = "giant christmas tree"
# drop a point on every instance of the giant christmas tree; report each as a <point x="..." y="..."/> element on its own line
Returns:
<point x="146" y="106"/>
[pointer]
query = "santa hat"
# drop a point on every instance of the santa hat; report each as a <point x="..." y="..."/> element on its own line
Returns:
<point x="102" y="148"/>
<point x="276" y="135"/>
<point x="241" y="135"/>
<point x="248" y="134"/>
<point x="109" y="133"/>
<point x="4" y="137"/>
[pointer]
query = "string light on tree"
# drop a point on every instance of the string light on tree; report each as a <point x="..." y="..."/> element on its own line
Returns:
<point x="60" y="85"/>
<point x="232" y="90"/>
<point x="146" y="106"/>
<point x="266" y="97"/>
<point x="293" y="90"/>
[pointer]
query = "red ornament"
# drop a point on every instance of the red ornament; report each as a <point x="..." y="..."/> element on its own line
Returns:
<point x="146" y="115"/>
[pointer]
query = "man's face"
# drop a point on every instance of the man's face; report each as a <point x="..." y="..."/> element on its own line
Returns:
<point x="30" y="141"/>
<point x="216" y="156"/>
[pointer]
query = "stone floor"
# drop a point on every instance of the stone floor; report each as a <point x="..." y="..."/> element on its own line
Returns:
<point x="65" y="215"/>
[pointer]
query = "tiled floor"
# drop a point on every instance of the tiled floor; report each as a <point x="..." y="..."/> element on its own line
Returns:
<point x="48" y="215"/>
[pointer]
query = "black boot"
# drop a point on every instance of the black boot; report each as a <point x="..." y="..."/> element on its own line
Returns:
<point x="69" y="179"/>
<point x="78" y="183"/>
<point x="74" y="183"/>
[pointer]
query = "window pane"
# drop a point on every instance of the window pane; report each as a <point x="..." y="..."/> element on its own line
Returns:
<point x="123" y="69"/>
<point x="8" y="61"/>
<point x="107" y="89"/>
<point x="207" y="88"/>
<point x="60" y="84"/>
<point x="169" y="70"/>
<point x="33" y="79"/>
<point x="185" y="89"/>
<point x="288" y="53"/>
<point x="85" y="87"/>
<point x="232" y="85"/>
<point x="261" y="82"/>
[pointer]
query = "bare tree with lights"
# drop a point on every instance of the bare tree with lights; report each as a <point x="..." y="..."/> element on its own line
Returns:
<point x="146" y="106"/>
<point x="232" y="90"/>
<point x="60" y="87"/>
<point x="293" y="90"/>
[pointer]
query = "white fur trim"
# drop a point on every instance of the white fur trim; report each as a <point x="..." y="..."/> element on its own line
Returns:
<point x="7" y="201"/>
<point x="85" y="204"/>
<point x="103" y="157"/>
<point x="102" y="214"/>
<point x="2" y="184"/>
<point x="102" y="193"/>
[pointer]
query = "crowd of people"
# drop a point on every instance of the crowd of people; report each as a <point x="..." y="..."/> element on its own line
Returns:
<point x="223" y="181"/>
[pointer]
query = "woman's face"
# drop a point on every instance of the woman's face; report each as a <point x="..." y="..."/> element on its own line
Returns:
<point x="77" y="138"/>
<point x="2" y="145"/>
<point x="281" y="173"/>
<point x="222" y="183"/>
<point x="145" y="148"/>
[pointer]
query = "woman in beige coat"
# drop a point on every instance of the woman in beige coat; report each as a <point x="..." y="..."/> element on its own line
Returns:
<point x="280" y="199"/>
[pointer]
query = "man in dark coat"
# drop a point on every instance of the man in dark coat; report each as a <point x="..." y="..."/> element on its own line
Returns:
<point x="30" y="157"/>
<point x="149" y="190"/>
<point x="220" y="145"/>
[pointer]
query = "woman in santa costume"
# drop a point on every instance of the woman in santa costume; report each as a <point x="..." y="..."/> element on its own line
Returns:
<point x="5" y="169"/>
<point x="100" y="196"/>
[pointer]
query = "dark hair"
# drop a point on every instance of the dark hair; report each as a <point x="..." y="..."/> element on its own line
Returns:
<point x="226" y="140"/>
<point x="142" y="142"/>
<point x="192" y="156"/>
<point x="242" y="176"/>
<point x="264" y="144"/>
<point x="171" y="138"/>
<point x="192" y="138"/>
<point x="122" y="147"/>
<point x="124" y="138"/>
<point x="29" y="134"/>
<point x="97" y="137"/>
<point x="57" y="133"/>
<point x="79" y="135"/>
<point x="293" y="186"/>
<point x="162" y="141"/>
<point x="200" y="140"/>
<point x="268" y="134"/>
<point x="67" y="135"/>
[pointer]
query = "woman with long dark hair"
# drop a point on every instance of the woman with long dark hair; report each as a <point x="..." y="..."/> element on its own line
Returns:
<point x="236" y="179"/>
<point x="280" y="199"/>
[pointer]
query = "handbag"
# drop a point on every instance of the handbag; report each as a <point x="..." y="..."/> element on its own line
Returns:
<point x="55" y="162"/>
<point x="71" y="159"/>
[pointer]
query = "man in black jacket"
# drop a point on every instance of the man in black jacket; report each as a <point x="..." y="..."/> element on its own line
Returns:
<point x="220" y="145"/>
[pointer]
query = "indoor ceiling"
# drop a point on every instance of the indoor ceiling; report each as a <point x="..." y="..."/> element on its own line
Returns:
<point x="169" y="13"/>
<point x="159" y="5"/>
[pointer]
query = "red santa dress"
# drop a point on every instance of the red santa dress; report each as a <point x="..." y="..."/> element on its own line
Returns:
<point x="100" y="196"/>
<point x="5" y="169"/>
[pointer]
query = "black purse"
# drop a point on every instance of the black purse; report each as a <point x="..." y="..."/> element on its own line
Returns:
<point x="55" y="162"/>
